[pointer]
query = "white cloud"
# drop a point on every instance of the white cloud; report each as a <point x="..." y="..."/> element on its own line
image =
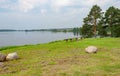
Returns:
<point x="43" y="11"/>
<point x="3" y="1"/>
<point x="90" y="3"/>
<point x="54" y="5"/>
<point x="49" y="12"/>
<point x="27" y="5"/>
<point x="59" y="3"/>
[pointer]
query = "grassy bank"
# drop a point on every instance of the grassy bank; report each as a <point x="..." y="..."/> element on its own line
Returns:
<point x="65" y="59"/>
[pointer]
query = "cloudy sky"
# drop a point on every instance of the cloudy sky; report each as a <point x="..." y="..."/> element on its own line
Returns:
<point x="42" y="14"/>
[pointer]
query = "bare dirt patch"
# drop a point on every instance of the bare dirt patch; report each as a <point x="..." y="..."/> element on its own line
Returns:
<point x="61" y="65"/>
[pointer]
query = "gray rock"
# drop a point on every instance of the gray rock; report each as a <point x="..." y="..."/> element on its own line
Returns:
<point x="12" y="56"/>
<point x="2" y="57"/>
<point x="91" y="49"/>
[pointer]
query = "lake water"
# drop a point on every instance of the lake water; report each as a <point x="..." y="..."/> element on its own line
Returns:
<point x="38" y="37"/>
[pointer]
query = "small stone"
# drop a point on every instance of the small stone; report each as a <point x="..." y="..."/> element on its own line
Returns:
<point x="2" y="57"/>
<point x="91" y="49"/>
<point x="12" y="56"/>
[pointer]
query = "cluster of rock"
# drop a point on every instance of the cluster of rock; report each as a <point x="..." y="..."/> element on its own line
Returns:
<point x="10" y="56"/>
<point x="91" y="49"/>
<point x="13" y="56"/>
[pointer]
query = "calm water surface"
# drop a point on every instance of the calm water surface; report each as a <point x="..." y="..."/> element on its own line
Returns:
<point x="24" y="38"/>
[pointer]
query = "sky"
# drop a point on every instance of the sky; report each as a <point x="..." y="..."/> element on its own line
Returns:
<point x="43" y="14"/>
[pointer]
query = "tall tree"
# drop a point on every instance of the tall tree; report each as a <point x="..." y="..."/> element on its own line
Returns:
<point x="112" y="20"/>
<point x="92" y="20"/>
<point x="94" y="16"/>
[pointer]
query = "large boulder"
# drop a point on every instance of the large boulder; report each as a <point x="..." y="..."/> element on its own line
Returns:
<point x="91" y="49"/>
<point x="2" y="57"/>
<point x="12" y="56"/>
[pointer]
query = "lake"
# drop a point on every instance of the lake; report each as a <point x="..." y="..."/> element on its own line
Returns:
<point x="36" y="37"/>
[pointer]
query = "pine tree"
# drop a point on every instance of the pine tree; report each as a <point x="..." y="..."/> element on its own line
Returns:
<point x="92" y="20"/>
<point x="112" y="20"/>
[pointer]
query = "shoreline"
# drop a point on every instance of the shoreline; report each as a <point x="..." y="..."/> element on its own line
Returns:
<point x="36" y="43"/>
<point x="15" y="46"/>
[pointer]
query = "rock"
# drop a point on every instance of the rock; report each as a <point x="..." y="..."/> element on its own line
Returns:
<point x="2" y="57"/>
<point x="91" y="49"/>
<point x="12" y="56"/>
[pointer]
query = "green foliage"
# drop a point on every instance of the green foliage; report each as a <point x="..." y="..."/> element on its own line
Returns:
<point x="91" y="22"/>
<point x="107" y="24"/>
<point x="86" y="31"/>
<point x="112" y="20"/>
<point x="101" y="31"/>
<point x="94" y="16"/>
<point x="95" y="13"/>
<point x="116" y="31"/>
<point x="112" y="16"/>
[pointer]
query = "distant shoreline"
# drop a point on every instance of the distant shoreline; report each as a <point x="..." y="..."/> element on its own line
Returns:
<point x="27" y="30"/>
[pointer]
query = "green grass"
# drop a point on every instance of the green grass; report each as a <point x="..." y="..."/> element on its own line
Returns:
<point x="63" y="58"/>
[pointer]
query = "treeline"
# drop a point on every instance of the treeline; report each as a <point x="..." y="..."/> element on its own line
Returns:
<point x="6" y="30"/>
<point x="33" y="30"/>
<point x="52" y="30"/>
<point x="103" y="24"/>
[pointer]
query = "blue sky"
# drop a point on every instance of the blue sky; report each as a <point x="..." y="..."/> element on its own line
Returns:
<point x="42" y="14"/>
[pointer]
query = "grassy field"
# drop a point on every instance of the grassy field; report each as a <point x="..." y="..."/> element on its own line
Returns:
<point x="65" y="59"/>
